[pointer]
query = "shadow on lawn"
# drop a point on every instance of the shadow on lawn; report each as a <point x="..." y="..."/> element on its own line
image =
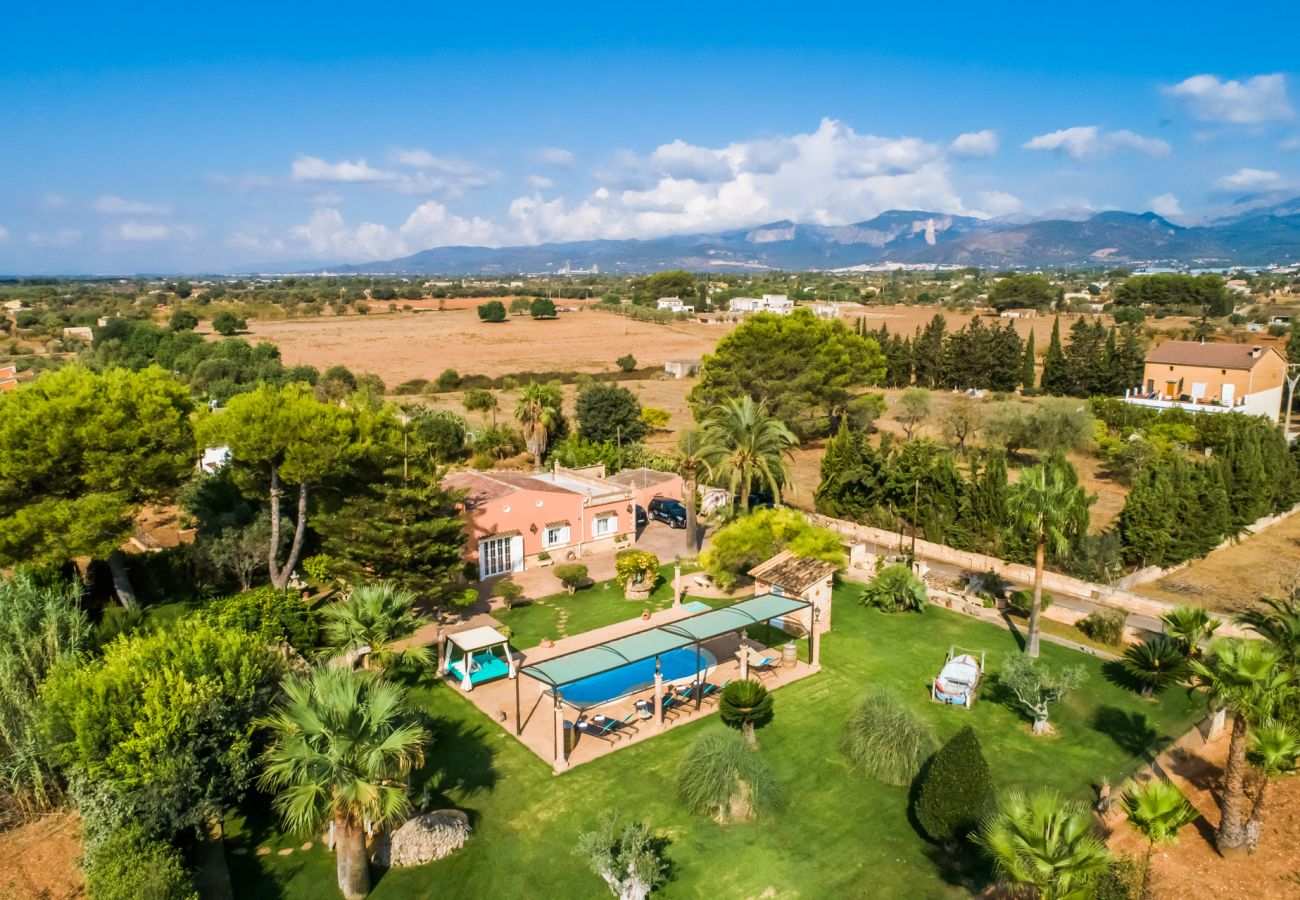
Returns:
<point x="1131" y="731"/>
<point x="1114" y="672"/>
<point x="458" y="767"/>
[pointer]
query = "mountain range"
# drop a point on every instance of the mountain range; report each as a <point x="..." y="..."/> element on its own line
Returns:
<point x="1251" y="236"/>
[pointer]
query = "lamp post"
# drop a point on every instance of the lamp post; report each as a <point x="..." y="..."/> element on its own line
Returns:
<point x="1292" y="379"/>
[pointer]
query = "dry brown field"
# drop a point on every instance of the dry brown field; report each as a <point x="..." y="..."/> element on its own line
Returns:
<point x="1231" y="579"/>
<point x="401" y="346"/>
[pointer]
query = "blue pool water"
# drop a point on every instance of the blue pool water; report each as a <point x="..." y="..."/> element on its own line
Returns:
<point x="678" y="665"/>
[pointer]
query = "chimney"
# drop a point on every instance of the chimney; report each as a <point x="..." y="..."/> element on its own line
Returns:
<point x="1255" y="351"/>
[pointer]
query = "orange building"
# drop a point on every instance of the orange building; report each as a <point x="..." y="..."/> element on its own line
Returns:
<point x="1201" y="377"/>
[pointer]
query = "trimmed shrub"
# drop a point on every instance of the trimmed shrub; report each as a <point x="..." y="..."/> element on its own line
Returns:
<point x="1105" y="626"/>
<point x="1122" y="881"/>
<point x="274" y="616"/>
<point x="571" y="576"/>
<point x="955" y="791"/>
<point x="492" y="311"/>
<point x="129" y="865"/>
<point x="886" y="738"/>
<point x="723" y="777"/>
<point x="512" y="593"/>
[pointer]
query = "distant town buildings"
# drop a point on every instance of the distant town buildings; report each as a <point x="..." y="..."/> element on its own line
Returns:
<point x="681" y="368"/>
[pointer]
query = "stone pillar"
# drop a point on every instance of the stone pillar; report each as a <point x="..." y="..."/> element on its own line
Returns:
<point x="561" y="754"/>
<point x="814" y="649"/>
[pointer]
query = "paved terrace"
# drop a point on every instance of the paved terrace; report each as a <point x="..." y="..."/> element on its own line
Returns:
<point x="538" y="719"/>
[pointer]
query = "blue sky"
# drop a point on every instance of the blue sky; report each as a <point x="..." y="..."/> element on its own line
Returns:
<point x="166" y="138"/>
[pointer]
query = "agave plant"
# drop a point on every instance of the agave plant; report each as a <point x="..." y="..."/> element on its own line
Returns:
<point x="745" y="705"/>
<point x="1156" y="662"/>
<point x="1191" y="626"/>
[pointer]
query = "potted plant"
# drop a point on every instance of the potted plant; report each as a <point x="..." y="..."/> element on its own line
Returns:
<point x="544" y="560"/>
<point x="636" y="572"/>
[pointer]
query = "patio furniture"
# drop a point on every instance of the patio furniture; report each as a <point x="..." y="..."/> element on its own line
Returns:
<point x="478" y="662"/>
<point x="762" y="662"/>
<point x="607" y="728"/>
<point x="713" y="691"/>
<point x="645" y="710"/>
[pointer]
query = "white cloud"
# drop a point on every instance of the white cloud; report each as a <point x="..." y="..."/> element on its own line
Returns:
<point x="4" y="234"/>
<point x="556" y="156"/>
<point x="431" y="224"/>
<point x="829" y="176"/>
<point x="116" y="206"/>
<point x="152" y="231"/>
<point x="998" y="203"/>
<point x="975" y="144"/>
<point x="1250" y="102"/>
<point x="63" y="237"/>
<point x="1291" y="143"/>
<point x="1165" y="205"/>
<point x="1084" y="142"/>
<point x="241" y="183"/>
<point x="53" y="201"/>
<point x="1249" y="179"/>
<point x="540" y="182"/>
<point x="313" y="168"/>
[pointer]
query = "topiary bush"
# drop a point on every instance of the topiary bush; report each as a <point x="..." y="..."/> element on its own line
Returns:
<point x="886" y="738"/>
<point x="512" y="593"/>
<point x="129" y="865"/>
<point x="723" y="777"/>
<point x="571" y="576"/>
<point x="955" y="790"/>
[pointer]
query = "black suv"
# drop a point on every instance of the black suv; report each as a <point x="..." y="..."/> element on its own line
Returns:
<point x="671" y="512"/>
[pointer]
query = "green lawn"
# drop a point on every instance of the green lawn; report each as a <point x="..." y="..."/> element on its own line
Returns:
<point x="840" y="835"/>
<point x="594" y="606"/>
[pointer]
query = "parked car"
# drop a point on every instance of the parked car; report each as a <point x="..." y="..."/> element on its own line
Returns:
<point x="641" y="519"/>
<point x="671" y="512"/>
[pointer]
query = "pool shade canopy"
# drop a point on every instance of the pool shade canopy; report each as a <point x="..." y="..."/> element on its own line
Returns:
<point x="477" y="638"/>
<point x="652" y="642"/>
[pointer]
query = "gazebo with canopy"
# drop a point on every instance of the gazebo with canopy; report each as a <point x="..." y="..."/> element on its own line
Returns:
<point x="567" y="668"/>
<point x="478" y="662"/>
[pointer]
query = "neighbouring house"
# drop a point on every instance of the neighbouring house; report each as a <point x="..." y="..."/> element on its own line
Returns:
<point x="1019" y="313"/>
<point x="789" y="575"/>
<point x="825" y="310"/>
<point x="1254" y="327"/>
<point x="514" y="517"/>
<point x="10" y="377"/>
<point x="681" y="368"/>
<point x="1279" y="320"/>
<point x="15" y="306"/>
<point x="778" y="304"/>
<point x="80" y="332"/>
<point x="1214" y="377"/>
<point x="674" y="304"/>
<point x="213" y="459"/>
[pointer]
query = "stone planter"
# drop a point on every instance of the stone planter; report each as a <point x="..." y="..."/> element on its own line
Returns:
<point x="638" y="592"/>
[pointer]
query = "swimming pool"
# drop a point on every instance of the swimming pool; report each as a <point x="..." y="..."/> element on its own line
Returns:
<point x="678" y="665"/>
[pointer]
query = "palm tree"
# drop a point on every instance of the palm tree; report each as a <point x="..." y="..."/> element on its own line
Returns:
<point x="1043" y="846"/>
<point x="1279" y="624"/>
<point x="341" y="743"/>
<point x="539" y="413"/>
<point x="1156" y="662"/>
<point x="1048" y="504"/>
<point x="745" y="705"/>
<point x="1247" y="679"/>
<point x="743" y="443"/>
<point x="1158" y="810"/>
<point x="1191" y="626"/>
<point x="693" y="454"/>
<point x="1274" y="748"/>
<point x="370" y="620"/>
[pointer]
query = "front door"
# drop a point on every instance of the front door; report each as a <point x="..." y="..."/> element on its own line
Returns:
<point x="1229" y="395"/>
<point x="495" y="557"/>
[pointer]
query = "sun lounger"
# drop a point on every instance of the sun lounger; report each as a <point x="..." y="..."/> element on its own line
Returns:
<point x="762" y="662"/>
<point x="607" y="728"/>
<point x="713" y="691"/>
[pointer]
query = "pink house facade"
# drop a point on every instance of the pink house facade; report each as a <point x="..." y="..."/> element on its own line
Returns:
<point x="514" y="517"/>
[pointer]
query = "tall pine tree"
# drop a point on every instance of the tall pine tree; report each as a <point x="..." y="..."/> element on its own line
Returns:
<point x="1055" y="378"/>
<point x="1027" y="376"/>
<point x="927" y="353"/>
